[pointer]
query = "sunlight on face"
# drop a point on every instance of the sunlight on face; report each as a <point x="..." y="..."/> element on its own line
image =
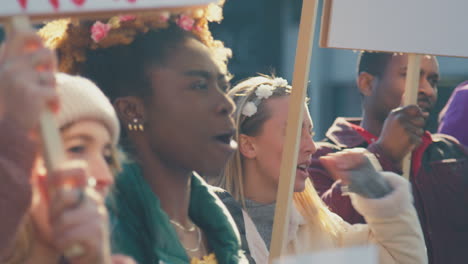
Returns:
<point x="193" y="134"/>
<point x="269" y="144"/>
<point x="390" y="88"/>
<point x="85" y="140"/>
<point x="90" y="141"/>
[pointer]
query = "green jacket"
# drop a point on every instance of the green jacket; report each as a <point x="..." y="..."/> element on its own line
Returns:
<point x="141" y="229"/>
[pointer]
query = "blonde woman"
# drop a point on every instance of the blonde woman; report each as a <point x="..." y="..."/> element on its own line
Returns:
<point x="68" y="225"/>
<point x="251" y="176"/>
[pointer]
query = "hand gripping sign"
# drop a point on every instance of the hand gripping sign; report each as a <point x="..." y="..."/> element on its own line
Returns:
<point x="420" y="27"/>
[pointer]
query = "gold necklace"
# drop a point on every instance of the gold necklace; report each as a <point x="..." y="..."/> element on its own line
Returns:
<point x="177" y="224"/>
<point x="191" y="229"/>
<point x="198" y="243"/>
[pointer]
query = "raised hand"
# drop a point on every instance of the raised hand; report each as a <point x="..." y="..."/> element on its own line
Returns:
<point x="78" y="218"/>
<point x="402" y="131"/>
<point x="27" y="79"/>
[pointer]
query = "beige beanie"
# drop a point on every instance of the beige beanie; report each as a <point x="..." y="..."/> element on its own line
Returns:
<point x="82" y="99"/>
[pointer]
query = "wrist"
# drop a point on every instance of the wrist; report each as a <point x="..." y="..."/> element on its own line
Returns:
<point x="368" y="182"/>
<point x="394" y="155"/>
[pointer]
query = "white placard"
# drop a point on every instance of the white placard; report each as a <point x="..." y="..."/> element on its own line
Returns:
<point x="44" y="8"/>
<point x="417" y="26"/>
<point x="354" y="255"/>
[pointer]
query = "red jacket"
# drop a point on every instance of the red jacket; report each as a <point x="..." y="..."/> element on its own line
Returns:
<point x="439" y="177"/>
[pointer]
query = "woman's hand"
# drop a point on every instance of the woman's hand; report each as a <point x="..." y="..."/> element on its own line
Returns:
<point x="358" y="171"/>
<point x="27" y="80"/>
<point x="78" y="218"/>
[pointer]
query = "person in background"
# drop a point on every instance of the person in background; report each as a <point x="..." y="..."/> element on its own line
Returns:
<point x="439" y="163"/>
<point x="453" y="119"/>
<point x="252" y="177"/>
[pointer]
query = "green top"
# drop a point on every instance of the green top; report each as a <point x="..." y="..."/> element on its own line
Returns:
<point x="141" y="229"/>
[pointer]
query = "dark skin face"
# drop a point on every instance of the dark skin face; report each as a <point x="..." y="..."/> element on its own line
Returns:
<point x="387" y="90"/>
<point x="399" y="129"/>
<point x="188" y="118"/>
<point x="187" y="127"/>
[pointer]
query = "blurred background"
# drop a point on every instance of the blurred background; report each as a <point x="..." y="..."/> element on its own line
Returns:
<point x="263" y="36"/>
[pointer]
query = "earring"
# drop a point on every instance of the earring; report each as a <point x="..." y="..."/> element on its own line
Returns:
<point x="136" y="125"/>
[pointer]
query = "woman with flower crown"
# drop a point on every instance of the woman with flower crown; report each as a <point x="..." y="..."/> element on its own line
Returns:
<point x="167" y="78"/>
<point x="251" y="177"/>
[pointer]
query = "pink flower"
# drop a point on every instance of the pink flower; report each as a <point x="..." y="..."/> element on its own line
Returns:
<point x="185" y="22"/>
<point x="99" y="31"/>
<point x="125" y="18"/>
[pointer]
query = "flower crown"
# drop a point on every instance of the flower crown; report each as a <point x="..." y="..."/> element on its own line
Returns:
<point x="188" y="20"/>
<point x="263" y="91"/>
<point x="72" y="38"/>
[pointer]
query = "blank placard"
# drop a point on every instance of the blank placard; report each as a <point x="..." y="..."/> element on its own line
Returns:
<point x="433" y="27"/>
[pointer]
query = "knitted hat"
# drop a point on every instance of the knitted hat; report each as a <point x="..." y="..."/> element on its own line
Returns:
<point x="82" y="99"/>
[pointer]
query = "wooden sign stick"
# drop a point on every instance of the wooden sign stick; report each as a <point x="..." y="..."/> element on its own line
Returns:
<point x="50" y="135"/>
<point x="411" y="97"/>
<point x="293" y="129"/>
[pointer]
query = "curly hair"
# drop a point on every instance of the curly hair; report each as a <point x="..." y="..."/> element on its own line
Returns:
<point x="118" y="61"/>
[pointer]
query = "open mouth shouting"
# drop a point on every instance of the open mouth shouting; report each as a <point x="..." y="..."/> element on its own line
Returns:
<point x="301" y="169"/>
<point x="226" y="141"/>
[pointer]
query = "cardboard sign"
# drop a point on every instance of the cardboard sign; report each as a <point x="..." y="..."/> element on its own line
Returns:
<point x="355" y="255"/>
<point x="39" y="9"/>
<point x="418" y="26"/>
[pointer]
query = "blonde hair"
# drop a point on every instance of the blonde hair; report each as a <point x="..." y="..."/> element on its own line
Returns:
<point x="23" y="243"/>
<point x="307" y="202"/>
